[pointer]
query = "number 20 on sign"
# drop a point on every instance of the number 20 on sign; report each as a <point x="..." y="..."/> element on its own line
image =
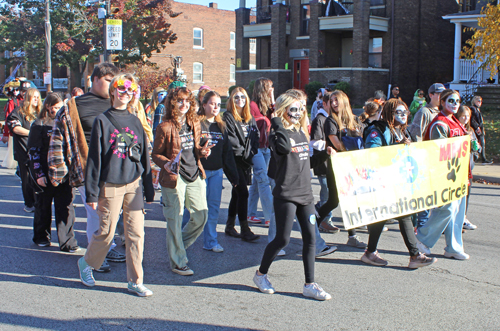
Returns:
<point x="114" y="35"/>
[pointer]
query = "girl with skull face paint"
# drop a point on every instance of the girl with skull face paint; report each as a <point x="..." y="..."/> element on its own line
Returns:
<point x="392" y="130"/>
<point x="450" y="217"/>
<point x="182" y="182"/>
<point x="292" y="194"/>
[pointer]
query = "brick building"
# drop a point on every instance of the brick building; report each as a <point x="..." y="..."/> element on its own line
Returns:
<point x="206" y="43"/>
<point x="369" y="44"/>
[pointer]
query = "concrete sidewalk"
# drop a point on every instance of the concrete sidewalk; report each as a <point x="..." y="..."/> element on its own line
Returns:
<point x="489" y="173"/>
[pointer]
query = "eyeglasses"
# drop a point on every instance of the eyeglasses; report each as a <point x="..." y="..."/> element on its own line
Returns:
<point x="453" y="101"/>
<point x="183" y="101"/>
<point x="123" y="90"/>
<point x="421" y="94"/>
<point x="238" y="97"/>
<point x="396" y="89"/>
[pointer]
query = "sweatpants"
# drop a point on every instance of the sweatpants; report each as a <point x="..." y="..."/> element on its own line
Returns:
<point x="111" y="199"/>
<point x="285" y="212"/>
<point x="64" y="215"/>
<point x="406" y="229"/>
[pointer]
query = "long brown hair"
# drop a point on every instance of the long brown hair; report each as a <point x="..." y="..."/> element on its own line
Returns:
<point x="247" y="116"/>
<point x="388" y="113"/>
<point x="154" y="99"/>
<point x="261" y="94"/>
<point x="50" y="100"/>
<point x="370" y="108"/>
<point x="172" y="108"/>
<point x="345" y="118"/>
<point x="201" y="112"/>
<point x="445" y="95"/>
<point x="27" y="110"/>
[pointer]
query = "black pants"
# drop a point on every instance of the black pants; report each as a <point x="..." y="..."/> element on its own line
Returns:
<point x="64" y="215"/>
<point x="333" y="198"/>
<point x="483" y="149"/>
<point x="27" y="188"/>
<point x="285" y="212"/>
<point x="407" y="231"/>
<point x="239" y="203"/>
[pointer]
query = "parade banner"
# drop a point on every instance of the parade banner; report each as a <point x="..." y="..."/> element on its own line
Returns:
<point x="382" y="183"/>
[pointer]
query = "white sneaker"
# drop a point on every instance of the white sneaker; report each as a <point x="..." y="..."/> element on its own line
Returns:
<point x="282" y="253"/>
<point x="469" y="226"/>
<point x="263" y="283"/>
<point x="316" y="292"/>
<point x="217" y="249"/>
<point x="139" y="289"/>
<point x="86" y="275"/>
<point x="458" y="256"/>
<point x="423" y="248"/>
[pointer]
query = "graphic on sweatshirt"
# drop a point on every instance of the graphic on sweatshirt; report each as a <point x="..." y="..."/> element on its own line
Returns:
<point x="302" y="148"/>
<point x="118" y="142"/>
<point x="212" y="137"/>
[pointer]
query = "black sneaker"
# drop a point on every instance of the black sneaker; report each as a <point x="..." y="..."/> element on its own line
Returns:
<point x="43" y="244"/>
<point x="232" y="233"/>
<point x="104" y="267"/>
<point x="115" y="256"/>
<point x="249" y="237"/>
<point x="487" y="162"/>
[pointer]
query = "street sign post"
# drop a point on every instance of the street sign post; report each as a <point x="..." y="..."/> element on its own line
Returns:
<point x="114" y="35"/>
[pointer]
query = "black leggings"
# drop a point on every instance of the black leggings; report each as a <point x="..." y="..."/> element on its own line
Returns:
<point x="239" y="203"/>
<point x="285" y="212"/>
<point x="483" y="149"/>
<point x="407" y="231"/>
<point x="333" y="198"/>
<point x="26" y="185"/>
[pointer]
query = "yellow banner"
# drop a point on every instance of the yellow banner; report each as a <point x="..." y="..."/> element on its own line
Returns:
<point x="382" y="183"/>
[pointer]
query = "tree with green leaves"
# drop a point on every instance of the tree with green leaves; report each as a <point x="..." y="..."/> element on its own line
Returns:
<point x="77" y="33"/>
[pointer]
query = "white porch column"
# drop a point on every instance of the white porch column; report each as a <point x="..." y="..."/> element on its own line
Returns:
<point x="458" y="46"/>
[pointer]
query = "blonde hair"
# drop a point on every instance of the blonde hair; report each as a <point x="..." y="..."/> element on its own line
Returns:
<point x="283" y="102"/>
<point x="474" y="99"/>
<point x="130" y="106"/>
<point x="27" y="110"/>
<point x="247" y="116"/>
<point x="345" y="118"/>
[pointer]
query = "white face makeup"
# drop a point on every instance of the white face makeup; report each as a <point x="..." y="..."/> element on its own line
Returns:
<point x="452" y="104"/>
<point x="240" y="100"/>
<point x="294" y="112"/>
<point x="212" y="107"/>
<point x="401" y="115"/>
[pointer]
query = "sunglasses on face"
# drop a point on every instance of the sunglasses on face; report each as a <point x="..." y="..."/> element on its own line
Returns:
<point x="238" y="97"/>
<point x="396" y="89"/>
<point x="452" y="101"/>
<point x="421" y="94"/>
<point x="123" y="90"/>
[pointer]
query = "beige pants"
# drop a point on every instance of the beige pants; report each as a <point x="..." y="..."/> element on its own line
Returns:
<point x="112" y="198"/>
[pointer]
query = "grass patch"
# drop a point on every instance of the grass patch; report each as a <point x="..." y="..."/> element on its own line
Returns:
<point x="492" y="129"/>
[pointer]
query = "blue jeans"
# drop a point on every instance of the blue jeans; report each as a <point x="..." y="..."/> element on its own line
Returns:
<point x="448" y="218"/>
<point x="214" y="192"/>
<point x="323" y="194"/>
<point x="261" y="186"/>
<point x="422" y="218"/>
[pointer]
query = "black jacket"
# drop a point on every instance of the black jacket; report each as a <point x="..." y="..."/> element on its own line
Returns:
<point x="243" y="148"/>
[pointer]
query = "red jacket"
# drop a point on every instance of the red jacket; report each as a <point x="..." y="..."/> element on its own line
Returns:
<point x="263" y="124"/>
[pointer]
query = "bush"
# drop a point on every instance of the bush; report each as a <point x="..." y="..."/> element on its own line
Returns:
<point x="250" y="88"/>
<point x="312" y="90"/>
<point x="344" y="87"/>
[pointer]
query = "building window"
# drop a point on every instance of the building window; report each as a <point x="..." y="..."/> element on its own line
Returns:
<point x="253" y="46"/>
<point x="305" y="15"/>
<point x="197" y="38"/>
<point x="197" y="72"/>
<point x="375" y="50"/>
<point x="232" y="73"/>
<point x="232" y="40"/>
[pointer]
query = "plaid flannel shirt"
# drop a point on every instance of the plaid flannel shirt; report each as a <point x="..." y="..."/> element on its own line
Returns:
<point x="64" y="157"/>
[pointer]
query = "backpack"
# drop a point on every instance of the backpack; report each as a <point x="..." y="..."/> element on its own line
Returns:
<point x="380" y="127"/>
<point x="351" y="140"/>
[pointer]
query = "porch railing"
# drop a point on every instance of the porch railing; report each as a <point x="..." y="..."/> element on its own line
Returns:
<point x="470" y="70"/>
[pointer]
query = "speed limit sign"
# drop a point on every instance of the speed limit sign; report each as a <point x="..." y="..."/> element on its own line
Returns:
<point x="114" y="35"/>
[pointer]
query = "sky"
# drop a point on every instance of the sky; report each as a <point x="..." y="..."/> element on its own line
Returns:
<point x="222" y="4"/>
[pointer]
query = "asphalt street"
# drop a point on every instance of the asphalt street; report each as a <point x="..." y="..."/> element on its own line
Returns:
<point x="40" y="288"/>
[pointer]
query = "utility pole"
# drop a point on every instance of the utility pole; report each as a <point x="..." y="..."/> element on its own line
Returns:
<point x="105" y="39"/>
<point x="48" y="61"/>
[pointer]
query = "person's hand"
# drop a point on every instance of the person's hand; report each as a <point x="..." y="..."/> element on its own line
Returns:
<point x="5" y="139"/>
<point x="148" y="203"/>
<point x="330" y="151"/>
<point x="406" y="141"/>
<point x="273" y="114"/>
<point x="206" y="150"/>
<point x="478" y="131"/>
<point x="42" y="181"/>
<point x="92" y="205"/>
<point x="271" y="95"/>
